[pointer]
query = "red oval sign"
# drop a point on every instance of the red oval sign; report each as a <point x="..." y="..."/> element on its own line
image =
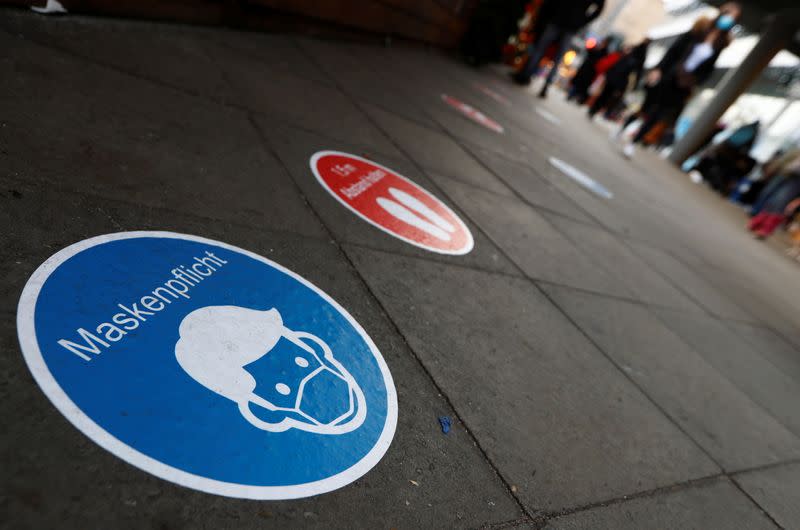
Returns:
<point x="391" y="202"/>
<point x="473" y="113"/>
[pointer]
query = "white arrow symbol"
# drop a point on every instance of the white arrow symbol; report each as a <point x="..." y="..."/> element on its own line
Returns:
<point x="435" y="224"/>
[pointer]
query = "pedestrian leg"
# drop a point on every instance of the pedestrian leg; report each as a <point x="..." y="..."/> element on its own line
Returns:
<point x="536" y="52"/>
<point x="613" y="104"/>
<point x="653" y="117"/>
<point x="632" y="117"/>
<point x="563" y="45"/>
<point x="601" y="101"/>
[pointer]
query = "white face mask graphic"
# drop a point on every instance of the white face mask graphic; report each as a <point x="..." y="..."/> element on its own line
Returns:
<point x="316" y="395"/>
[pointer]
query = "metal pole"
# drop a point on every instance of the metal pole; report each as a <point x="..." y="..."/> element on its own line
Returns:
<point x="775" y="35"/>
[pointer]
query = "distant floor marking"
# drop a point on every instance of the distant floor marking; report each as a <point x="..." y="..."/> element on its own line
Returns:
<point x="581" y="178"/>
<point x="473" y="114"/>
<point x="549" y="116"/>
<point x="492" y="94"/>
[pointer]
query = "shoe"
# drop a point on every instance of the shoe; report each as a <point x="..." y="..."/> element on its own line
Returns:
<point x="629" y="150"/>
<point x="520" y="78"/>
<point x="543" y="93"/>
<point x="695" y="176"/>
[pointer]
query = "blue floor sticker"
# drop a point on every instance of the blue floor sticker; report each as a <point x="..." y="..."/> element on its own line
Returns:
<point x="207" y="365"/>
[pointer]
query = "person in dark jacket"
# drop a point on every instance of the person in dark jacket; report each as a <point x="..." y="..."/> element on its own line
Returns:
<point x="618" y="77"/>
<point x="725" y="164"/>
<point x="688" y="63"/>
<point x="582" y="80"/>
<point x="564" y="18"/>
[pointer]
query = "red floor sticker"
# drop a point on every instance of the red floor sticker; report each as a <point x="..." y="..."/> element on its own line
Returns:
<point x="473" y="114"/>
<point x="391" y="202"/>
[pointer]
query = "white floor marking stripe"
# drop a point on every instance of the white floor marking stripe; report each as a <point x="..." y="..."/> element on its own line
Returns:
<point x="549" y="116"/>
<point x="581" y="178"/>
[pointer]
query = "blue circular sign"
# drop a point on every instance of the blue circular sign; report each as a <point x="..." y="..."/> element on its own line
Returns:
<point x="207" y="365"/>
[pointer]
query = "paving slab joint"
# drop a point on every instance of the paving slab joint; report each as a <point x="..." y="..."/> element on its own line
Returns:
<point x="282" y="120"/>
<point x="528" y="522"/>
<point x="537" y="519"/>
<point x="765" y="467"/>
<point x="749" y="497"/>
<point x="393" y="324"/>
<point x="672" y="488"/>
<point x="508" y="487"/>
<point x="456" y="265"/>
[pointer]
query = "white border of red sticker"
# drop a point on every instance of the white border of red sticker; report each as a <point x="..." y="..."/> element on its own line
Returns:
<point x="465" y="249"/>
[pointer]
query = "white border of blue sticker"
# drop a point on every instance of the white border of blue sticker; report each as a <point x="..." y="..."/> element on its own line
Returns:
<point x="38" y="367"/>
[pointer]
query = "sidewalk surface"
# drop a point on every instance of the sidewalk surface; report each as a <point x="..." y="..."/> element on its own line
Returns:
<point x="626" y="362"/>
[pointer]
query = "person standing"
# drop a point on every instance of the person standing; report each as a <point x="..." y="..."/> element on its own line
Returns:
<point x="688" y="63"/>
<point x="564" y="18"/>
<point x="617" y="78"/>
<point x="579" y="86"/>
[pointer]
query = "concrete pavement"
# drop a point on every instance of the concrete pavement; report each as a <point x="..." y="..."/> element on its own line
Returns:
<point x="631" y="362"/>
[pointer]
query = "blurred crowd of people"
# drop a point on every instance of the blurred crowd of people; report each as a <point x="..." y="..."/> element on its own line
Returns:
<point x="607" y="74"/>
<point x="610" y="69"/>
<point x="559" y="22"/>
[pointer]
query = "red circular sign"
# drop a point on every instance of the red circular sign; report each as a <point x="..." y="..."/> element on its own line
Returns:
<point x="391" y="202"/>
<point x="473" y="113"/>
